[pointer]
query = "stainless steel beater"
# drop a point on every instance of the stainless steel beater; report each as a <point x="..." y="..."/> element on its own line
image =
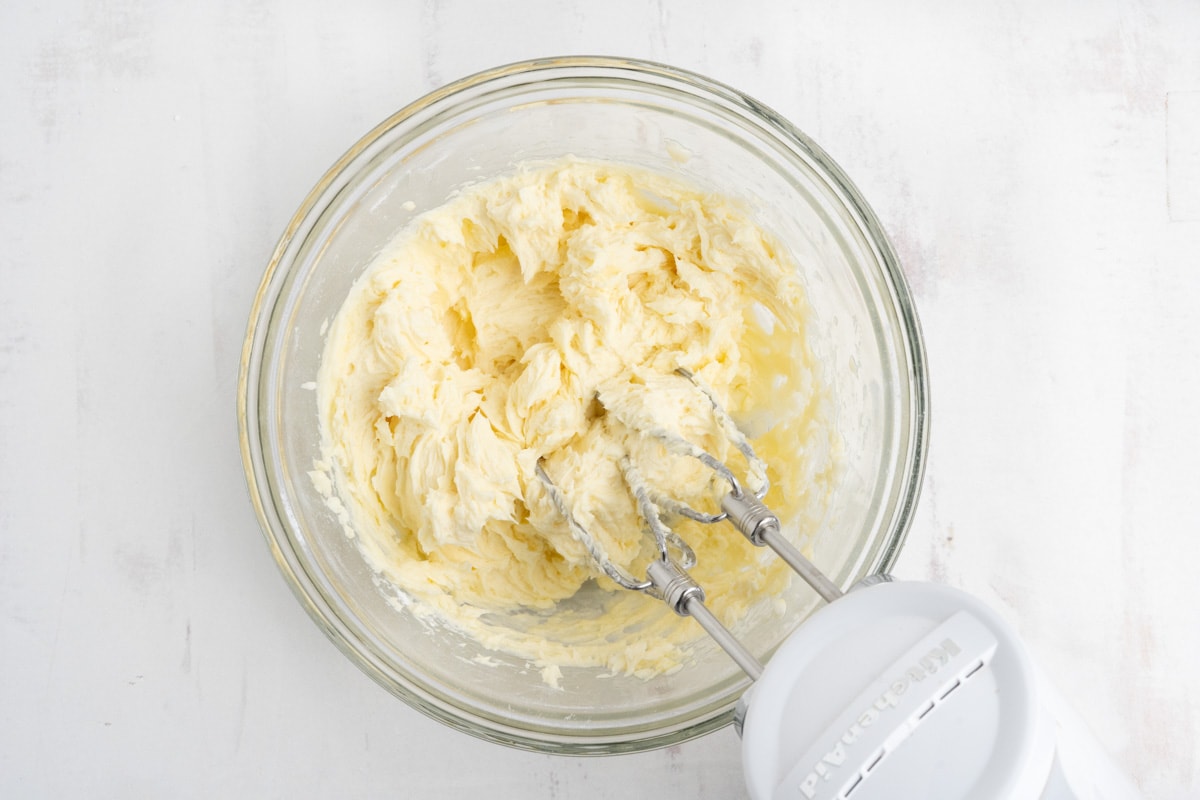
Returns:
<point x="666" y="576"/>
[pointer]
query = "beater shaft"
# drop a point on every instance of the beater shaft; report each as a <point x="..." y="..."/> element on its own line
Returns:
<point x="696" y="609"/>
<point x="761" y="527"/>
<point x="803" y="567"/>
<point x="685" y="597"/>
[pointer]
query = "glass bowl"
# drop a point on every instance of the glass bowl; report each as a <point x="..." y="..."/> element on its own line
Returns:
<point x="865" y="334"/>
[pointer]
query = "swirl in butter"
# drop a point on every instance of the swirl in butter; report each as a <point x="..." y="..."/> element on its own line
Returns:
<point x="506" y="326"/>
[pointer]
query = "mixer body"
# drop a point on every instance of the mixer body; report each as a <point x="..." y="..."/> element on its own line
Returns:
<point x="904" y="690"/>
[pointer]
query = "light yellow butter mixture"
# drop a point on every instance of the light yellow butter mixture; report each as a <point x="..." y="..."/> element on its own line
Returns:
<point x="543" y="315"/>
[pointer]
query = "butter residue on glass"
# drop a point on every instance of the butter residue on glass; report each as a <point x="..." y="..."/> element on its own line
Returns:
<point x="479" y="342"/>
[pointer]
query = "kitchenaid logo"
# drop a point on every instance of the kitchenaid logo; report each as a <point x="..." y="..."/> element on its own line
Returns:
<point x="927" y="665"/>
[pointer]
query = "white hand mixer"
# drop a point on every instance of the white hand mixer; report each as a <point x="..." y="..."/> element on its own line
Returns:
<point x="892" y="690"/>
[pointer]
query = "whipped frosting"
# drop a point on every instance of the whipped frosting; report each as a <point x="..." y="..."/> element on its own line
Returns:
<point x="542" y="315"/>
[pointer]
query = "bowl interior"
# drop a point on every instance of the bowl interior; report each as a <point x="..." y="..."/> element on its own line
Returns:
<point x="864" y="335"/>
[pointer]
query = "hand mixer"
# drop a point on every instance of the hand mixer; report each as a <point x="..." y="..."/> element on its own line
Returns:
<point x="892" y="690"/>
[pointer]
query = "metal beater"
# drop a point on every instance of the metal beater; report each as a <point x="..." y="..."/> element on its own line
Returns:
<point x="666" y="576"/>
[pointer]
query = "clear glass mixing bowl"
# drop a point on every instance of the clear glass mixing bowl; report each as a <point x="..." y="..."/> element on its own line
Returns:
<point x="866" y="334"/>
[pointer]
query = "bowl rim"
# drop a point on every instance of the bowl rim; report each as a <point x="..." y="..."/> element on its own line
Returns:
<point x="272" y="522"/>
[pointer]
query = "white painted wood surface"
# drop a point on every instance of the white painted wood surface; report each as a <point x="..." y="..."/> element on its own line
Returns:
<point x="1037" y="163"/>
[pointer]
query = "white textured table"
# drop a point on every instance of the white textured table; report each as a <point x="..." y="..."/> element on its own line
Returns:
<point x="1036" y="163"/>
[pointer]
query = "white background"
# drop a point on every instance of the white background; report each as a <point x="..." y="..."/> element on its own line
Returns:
<point x="1036" y="163"/>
